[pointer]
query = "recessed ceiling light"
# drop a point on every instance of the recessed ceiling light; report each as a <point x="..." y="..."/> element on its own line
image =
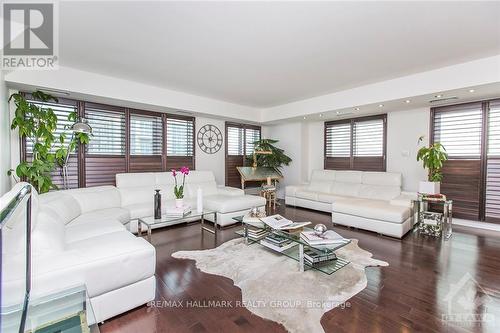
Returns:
<point x="438" y="96"/>
<point x="357" y="109"/>
<point x="381" y="105"/>
<point x="471" y="90"/>
<point x="407" y="101"/>
<point x="305" y="117"/>
<point x="321" y="115"/>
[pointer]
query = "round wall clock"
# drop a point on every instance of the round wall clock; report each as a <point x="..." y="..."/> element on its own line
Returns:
<point x="209" y="139"/>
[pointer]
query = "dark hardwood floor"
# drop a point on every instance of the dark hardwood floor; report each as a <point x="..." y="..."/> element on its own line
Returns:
<point x="407" y="296"/>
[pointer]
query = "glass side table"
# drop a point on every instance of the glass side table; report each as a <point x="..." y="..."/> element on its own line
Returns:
<point x="439" y="227"/>
<point x="68" y="311"/>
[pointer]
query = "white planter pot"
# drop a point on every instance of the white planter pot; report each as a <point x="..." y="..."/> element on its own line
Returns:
<point x="179" y="203"/>
<point x="429" y="187"/>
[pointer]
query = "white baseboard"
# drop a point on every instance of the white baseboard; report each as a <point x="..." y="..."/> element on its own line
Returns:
<point x="477" y="224"/>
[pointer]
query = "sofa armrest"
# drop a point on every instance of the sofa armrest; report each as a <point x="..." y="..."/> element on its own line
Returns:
<point x="233" y="191"/>
<point x="290" y="190"/>
<point x="404" y="199"/>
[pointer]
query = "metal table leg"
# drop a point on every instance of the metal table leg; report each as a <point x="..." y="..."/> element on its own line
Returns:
<point x="301" y="257"/>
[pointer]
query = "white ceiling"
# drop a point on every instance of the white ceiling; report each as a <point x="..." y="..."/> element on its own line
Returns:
<point x="264" y="54"/>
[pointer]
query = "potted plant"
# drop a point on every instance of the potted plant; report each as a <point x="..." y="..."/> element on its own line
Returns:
<point x="432" y="158"/>
<point x="179" y="190"/>
<point x="37" y="123"/>
<point x="275" y="160"/>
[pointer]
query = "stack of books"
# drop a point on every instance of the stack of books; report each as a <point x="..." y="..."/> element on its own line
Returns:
<point x="316" y="258"/>
<point x="277" y="243"/>
<point x="330" y="237"/>
<point x="255" y="233"/>
<point x="177" y="212"/>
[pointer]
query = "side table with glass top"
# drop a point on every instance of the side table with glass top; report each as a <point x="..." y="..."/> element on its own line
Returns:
<point x="69" y="310"/>
<point x="444" y="225"/>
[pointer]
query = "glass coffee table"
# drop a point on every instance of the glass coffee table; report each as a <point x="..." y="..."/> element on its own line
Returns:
<point x="165" y="221"/>
<point x="296" y="252"/>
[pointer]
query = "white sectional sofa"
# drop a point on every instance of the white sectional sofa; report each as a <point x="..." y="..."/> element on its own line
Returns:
<point x="79" y="237"/>
<point x="366" y="200"/>
<point x="137" y="190"/>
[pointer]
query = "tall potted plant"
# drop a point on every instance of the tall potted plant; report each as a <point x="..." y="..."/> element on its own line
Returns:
<point x="432" y="158"/>
<point x="37" y="123"/>
<point x="275" y="160"/>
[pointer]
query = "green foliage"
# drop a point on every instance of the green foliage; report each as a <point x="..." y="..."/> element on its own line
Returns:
<point x="37" y="124"/>
<point x="276" y="160"/>
<point x="179" y="191"/>
<point x="432" y="158"/>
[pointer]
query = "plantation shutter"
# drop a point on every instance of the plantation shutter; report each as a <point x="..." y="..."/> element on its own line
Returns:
<point x="240" y="140"/>
<point x="180" y="142"/>
<point x="106" y="151"/>
<point x="459" y="129"/>
<point x="356" y="144"/>
<point x="338" y="145"/>
<point x="146" y="142"/>
<point x="492" y="197"/>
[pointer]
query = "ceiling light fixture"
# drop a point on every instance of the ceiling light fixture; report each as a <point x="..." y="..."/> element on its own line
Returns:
<point x="357" y="109"/>
<point x="381" y="105"/>
<point x="321" y="115"/>
<point x="471" y="90"/>
<point x="407" y="101"/>
<point x="305" y="117"/>
<point x="438" y="96"/>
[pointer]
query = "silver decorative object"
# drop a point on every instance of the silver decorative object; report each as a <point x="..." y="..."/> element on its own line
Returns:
<point x="320" y="229"/>
<point x="254" y="211"/>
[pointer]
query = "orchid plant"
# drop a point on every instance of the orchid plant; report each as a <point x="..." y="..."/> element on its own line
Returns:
<point x="179" y="190"/>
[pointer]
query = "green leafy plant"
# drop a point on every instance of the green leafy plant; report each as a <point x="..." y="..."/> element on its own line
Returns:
<point x="37" y="123"/>
<point x="432" y="158"/>
<point x="276" y="160"/>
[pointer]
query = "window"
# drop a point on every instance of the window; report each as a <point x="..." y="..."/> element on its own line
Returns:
<point x="356" y="144"/>
<point x="123" y="140"/>
<point x="180" y="137"/>
<point x="240" y="140"/>
<point x="108" y="129"/>
<point x="145" y="135"/>
<point x="470" y="134"/>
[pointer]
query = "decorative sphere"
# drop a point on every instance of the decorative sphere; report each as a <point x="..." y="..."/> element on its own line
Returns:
<point x="319" y="229"/>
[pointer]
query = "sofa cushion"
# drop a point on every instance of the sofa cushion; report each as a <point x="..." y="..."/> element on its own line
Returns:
<point x="328" y="197"/>
<point x="230" y="203"/>
<point x="48" y="234"/>
<point x="139" y="179"/>
<point x="208" y="188"/>
<point x="118" y="214"/>
<point x="382" y="178"/>
<point x="379" y="192"/>
<point x="320" y="186"/>
<point x="95" y="198"/>
<point x="132" y="195"/>
<point x="291" y="190"/>
<point x="63" y="204"/>
<point x="80" y="230"/>
<point x="372" y="209"/>
<point x="104" y="263"/>
<point x="347" y="189"/>
<point x="348" y="176"/>
<point x="308" y="195"/>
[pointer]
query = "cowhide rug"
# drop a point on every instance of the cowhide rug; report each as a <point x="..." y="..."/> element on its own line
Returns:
<point x="272" y="286"/>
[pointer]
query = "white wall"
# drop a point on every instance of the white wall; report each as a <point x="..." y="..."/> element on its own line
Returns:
<point x="214" y="162"/>
<point x="4" y="137"/>
<point x="403" y="130"/>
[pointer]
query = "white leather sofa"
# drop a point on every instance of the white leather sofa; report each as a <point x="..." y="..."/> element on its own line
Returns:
<point x="78" y="237"/>
<point x="137" y="192"/>
<point x="366" y="200"/>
